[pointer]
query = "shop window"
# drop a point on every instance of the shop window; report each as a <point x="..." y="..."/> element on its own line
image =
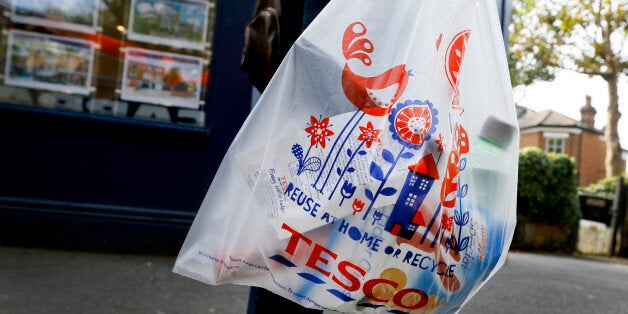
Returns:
<point x="138" y="59"/>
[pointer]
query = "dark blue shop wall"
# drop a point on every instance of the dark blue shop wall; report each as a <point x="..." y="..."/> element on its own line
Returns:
<point x="86" y="161"/>
<point x="87" y="182"/>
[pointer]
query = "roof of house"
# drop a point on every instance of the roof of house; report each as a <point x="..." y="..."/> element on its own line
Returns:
<point x="426" y="167"/>
<point x="529" y="118"/>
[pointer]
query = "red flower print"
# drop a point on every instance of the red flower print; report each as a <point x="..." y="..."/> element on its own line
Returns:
<point x="369" y="134"/>
<point x="447" y="222"/>
<point x="319" y="131"/>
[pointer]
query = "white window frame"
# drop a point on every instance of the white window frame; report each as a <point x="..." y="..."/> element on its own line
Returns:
<point x="558" y="145"/>
<point x="559" y="140"/>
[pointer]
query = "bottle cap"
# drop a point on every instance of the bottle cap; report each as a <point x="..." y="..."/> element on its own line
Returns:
<point x="497" y="132"/>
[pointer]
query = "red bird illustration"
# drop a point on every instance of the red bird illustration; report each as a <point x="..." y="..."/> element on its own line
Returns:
<point x="376" y="94"/>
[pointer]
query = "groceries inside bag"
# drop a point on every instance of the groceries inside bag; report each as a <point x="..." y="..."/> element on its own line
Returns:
<point x="377" y="172"/>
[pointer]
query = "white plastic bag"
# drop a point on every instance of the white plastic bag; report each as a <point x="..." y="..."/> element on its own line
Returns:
<point x="378" y="171"/>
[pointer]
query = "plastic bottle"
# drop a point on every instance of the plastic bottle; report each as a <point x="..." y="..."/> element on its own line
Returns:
<point x="489" y="166"/>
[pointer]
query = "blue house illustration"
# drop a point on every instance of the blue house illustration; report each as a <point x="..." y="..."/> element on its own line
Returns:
<point x="406" y="215"/>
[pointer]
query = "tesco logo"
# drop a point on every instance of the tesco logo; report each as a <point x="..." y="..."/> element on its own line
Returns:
<point x="389" y="288"/>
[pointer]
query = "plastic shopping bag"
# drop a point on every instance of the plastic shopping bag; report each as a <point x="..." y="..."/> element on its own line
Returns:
<point x="378" y="171"/>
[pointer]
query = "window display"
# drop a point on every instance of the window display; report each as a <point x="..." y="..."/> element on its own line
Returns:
<point x="161" y="78"/>
<point x="49" y="62"/>
<point x="138" y="59"/>
<point x="180" y="23"/>
<point x="73" y="15"/>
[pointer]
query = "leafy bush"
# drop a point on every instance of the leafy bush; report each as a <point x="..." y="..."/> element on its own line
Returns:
<point x="603" y="188"/>
<point x="547" y="188"/>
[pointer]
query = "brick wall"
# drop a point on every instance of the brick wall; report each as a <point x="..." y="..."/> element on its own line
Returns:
<point x="591" y="166"/>
<point x="532" y="139"/>
<point x="587" y="149"/>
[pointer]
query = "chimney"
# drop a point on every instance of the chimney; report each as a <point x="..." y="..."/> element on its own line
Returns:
<point x="587" y="113"/>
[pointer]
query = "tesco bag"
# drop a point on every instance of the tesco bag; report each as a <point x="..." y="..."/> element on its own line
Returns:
<point x="378" y="171"/>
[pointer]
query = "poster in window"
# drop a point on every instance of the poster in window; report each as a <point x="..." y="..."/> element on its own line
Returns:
<point x="161" y="78"/>
<point x="73" y="15"/>
<point x="181" y="23"/>
<point x="49" y="62"/>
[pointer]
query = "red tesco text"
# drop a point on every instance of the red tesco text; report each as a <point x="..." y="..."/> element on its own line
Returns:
<point x="347" y="274"/>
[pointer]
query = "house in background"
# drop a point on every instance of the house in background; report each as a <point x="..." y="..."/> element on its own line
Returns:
<point x="554" y="132"/>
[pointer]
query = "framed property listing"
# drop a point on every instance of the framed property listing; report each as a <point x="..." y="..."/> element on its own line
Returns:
<point x="161" y="78"/>
<point x="180" y="23"/>
<point x="72" y="15"/>
<point x="55" y="63"/>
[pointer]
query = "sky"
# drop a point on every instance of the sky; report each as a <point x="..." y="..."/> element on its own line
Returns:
<point x="566" y="95"/>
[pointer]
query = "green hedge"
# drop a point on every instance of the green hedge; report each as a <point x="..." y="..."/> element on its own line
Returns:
<point x="547" y="188"/>
<point x="603" y="188"/>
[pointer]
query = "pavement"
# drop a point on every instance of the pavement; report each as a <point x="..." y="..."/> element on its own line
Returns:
<point x="554" y="283"/>
<point x="55" y="281"/>
<point x="49" y="281"/>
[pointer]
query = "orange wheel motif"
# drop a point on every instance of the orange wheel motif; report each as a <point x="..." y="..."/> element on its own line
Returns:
<point x="412" y="123"/>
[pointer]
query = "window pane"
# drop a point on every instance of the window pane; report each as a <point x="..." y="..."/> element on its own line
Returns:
<point x="556" y="145"/>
